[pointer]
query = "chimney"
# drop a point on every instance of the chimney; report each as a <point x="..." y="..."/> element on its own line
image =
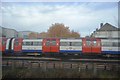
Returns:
<point x="96" y="29"/>
<point x="101" y="24"/>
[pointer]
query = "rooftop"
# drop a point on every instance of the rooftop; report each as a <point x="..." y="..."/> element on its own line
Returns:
<point x="108" y="27"/>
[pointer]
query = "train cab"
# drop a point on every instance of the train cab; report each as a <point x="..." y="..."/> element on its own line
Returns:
<point x="91" y="45"/>
<point x="51" y="45"/>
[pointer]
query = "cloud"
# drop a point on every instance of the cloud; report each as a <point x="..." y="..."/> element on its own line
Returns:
<point x="81" y="17"/>
<point x="59" y="0"/>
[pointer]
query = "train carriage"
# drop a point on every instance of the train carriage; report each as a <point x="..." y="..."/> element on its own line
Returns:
<point x="71" y="46"/>
<point x="96" y="46"/>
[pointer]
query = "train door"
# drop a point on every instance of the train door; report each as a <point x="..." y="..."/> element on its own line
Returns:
<point x="86" y="45"/>
<point x="96" y="46"/>
<point x="50" y="45"/>
<point x="46" y="45"/>
<point x="18" y="45"/>
<point x="54" y="45"/>
<point x="91" y="45"/>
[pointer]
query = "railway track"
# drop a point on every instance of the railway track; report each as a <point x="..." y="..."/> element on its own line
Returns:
<point x="62" y="59"/>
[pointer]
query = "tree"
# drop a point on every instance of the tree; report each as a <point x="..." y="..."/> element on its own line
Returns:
<point x="61" y="31"/>
<point x="33" y="35"/>
<point x="42" y="35"/>
<point x="74" y="34"/>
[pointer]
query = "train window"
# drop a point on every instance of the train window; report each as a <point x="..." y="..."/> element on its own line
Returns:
<point x="70" y="43"/>
<point x="64" y="43"/>
<point x="118" y="44"/>
<point x="48" y="43"/>
<point x="40" y="43"/>
<point x="16" y="42"/>
<point x="94" y="43"/>
<point x="31" y="43"/>
<point x="115" y="44"/>
<point x="37" y="43"/>
<point x="106" y="44"/>
<point x="76" y="44"/>
<point x="23" y="43"/>
<point x="3" y="42"/>
<point x="27" y="43"/>
<point x="53" y="42"/>
<point x="88" y="42"/>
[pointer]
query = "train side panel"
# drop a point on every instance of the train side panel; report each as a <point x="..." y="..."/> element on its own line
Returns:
<point x="110" y="46"/>
<point x="32" y="46"/>
<point x="71" y="46"/>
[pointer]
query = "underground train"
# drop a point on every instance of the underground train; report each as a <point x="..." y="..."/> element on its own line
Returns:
<point x="66" y="46"/>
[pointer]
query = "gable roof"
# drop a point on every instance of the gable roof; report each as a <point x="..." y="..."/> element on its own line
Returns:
<point x="108" y="27"/>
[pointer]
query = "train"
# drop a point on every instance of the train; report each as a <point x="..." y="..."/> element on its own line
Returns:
<point x="65" y="46"/>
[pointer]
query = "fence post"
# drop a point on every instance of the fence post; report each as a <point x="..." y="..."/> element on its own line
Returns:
<point x="86" y="66"/>
<point x="61" y="66"/>
<point x="104" y="66"/>
<point x="39" y="64"/>
<point x="22" y="63"/>
<point x="13" y="65"/>
<point x="79" y="67"/>
<point x="7" y="62"/>
<point x="70" y="65"/>
<point x="54" y="65"/>
<point x="94" y="69"/>
<point x="44" y="66"/>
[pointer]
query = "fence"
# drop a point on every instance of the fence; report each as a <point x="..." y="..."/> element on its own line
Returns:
<point x="57" y="64"/>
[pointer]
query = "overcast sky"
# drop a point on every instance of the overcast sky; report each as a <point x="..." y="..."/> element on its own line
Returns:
<point x="83" y="17"/>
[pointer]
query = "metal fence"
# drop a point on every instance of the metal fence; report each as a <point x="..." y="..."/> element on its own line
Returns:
<point x="59" y="65"/>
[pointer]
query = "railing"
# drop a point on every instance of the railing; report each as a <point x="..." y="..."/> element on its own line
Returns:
<point x="59" y="65"/>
